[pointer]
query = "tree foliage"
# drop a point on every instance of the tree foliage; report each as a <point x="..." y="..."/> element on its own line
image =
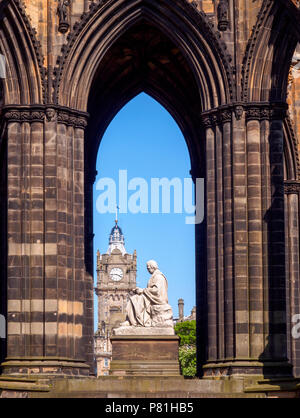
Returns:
<point x="187" y="351"/>
<point x="187" y="358"/>
<point x="187" y="332"/>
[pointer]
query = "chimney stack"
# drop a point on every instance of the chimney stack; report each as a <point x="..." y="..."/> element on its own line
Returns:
<point x="181" y="309"/>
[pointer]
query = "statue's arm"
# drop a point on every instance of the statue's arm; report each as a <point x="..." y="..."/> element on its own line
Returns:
<point x="157" y="286"/>
<point x="138" y="290"/>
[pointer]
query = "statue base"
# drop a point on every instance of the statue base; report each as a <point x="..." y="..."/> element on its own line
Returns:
<point x="145" y="355"/>
<point x="131" y="330"/>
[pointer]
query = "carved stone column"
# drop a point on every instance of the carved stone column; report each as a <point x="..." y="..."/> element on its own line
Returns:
<point x="46" y="329"/>
<point x="292" y="190"/>
<point x="245" y="295"/>
<point x="3" y="247"/>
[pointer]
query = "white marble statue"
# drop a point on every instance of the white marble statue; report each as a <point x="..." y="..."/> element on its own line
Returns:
<point x="149" y="307"/>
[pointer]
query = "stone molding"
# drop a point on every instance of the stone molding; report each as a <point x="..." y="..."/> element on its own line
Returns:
<point x="24" y="115"/>
<point x="253" y="111"/>
<point x="49" y="113"/>
<point x="72" y="118"/>
<point x="291" y="135"/>
<point x="266" y="111"/>
<point x="217" y="116"/>
<point x="292" y="187"/>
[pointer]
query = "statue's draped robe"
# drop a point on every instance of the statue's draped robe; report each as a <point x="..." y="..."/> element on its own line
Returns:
<point x="150" y="308"/>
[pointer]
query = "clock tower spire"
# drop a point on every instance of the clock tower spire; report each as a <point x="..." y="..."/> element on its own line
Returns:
<point x="116" y="239"/>
<point x="116" y="277"/>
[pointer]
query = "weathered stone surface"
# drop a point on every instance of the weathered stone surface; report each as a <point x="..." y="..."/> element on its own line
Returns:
<point x="142" y="355"/>
<point x="227" y="92"/>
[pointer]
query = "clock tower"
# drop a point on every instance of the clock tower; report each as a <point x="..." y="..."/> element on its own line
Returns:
<point x="116" y="277"/>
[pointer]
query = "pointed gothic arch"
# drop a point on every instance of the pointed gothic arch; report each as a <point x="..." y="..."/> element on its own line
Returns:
<point x="236" y="143"/>
<point x="177" y="58"/>
<point x="180" y="21"/>
<point x="269" y="53"/>
<point x="291" y="153"/>
<point x="25" y="75"/>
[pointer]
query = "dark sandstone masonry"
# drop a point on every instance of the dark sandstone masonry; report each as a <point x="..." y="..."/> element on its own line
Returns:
<point x="227" y="91"/>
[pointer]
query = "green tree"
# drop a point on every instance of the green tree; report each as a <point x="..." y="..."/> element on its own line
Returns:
<point x="187" y="351"/>
<point x="187" y="359"/>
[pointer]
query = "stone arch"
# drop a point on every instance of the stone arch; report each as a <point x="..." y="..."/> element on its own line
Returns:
<point x="291" y="154"/>
<point x="268" y="54"/>
<point x="242" y="144"/>
<point x="265" y="73"/>
<point x="200" y="55"/>
<point x="202" y="58"/>
<point x="292" y="233"/>
<point x="25" y="75"/>
<point x="191" y="75"/>
<point x="99" y="29"/>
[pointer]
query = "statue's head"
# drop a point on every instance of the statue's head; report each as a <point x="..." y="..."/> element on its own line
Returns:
<point x="152" y="266"/>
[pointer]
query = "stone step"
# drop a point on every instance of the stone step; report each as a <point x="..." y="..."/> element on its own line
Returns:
<point x="145" y="395"/>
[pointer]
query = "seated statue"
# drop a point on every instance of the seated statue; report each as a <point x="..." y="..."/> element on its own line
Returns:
<point x="149" y="307"/>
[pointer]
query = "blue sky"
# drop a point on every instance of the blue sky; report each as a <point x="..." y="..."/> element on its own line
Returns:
<point x="145" y="140"/>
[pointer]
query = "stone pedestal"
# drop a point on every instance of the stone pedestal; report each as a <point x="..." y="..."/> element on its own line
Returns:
<point x="51" y="366"/>
<point x="145" y="355"/>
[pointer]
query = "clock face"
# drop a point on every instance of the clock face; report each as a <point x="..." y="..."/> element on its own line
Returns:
<point x="116" y="274"/>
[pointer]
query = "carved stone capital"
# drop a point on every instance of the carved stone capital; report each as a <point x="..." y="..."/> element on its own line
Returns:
<point x="278" y="112"/>
<point x="266" y="111"/>
<point x="31" y="114"/>
<point x="291" y="187"/>
<point x="217" y="117"/>
<point x="225" y="116"/>
<point x="24" y="114"/>
<point x="72" y="118"/>
<point x="253" y="111"/>
<point x="206" y="121"/>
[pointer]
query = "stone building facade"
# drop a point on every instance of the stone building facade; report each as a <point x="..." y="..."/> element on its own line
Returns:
<point x="221" y="68"/>
<point x="116" y="278"/>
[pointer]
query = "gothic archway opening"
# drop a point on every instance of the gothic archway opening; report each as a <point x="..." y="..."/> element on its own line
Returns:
<point x="143" y="167"/>
<point x="145" y="60"/>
